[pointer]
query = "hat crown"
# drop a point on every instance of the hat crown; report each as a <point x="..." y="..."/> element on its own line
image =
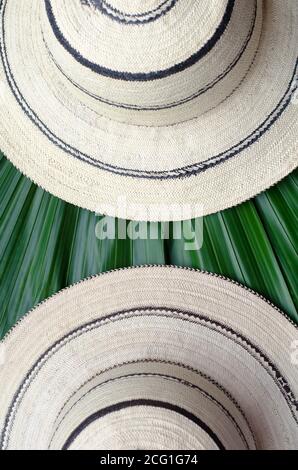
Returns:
<point x="134" y="401"/>
<point x="154" y="62"/>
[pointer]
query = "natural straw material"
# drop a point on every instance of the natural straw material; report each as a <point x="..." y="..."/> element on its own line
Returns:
<point x="151" y="358"/>
<point x="179" y="102"/>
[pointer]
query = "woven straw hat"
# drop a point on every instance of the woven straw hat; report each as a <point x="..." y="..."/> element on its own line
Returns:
<point x="176" y="102"/>
<point x="151" y="358"/>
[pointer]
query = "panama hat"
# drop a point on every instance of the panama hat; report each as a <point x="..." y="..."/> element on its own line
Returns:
<point x="151" y="358"/>
<point x="160" y="102"/>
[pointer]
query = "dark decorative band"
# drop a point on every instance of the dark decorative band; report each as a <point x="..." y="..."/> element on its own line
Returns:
<point x="131" y="19"/>
<point x="142" y="402"/>
<point x="153" y="75"/>
<point x="169" y="378"/>
<point x="186" y="316"/>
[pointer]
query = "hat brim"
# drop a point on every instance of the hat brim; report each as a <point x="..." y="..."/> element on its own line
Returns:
<point x="217" y="160"/>
<point x="64" y="360"/>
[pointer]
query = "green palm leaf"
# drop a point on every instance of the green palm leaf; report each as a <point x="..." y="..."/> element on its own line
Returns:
<point x="47" y="244"/>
